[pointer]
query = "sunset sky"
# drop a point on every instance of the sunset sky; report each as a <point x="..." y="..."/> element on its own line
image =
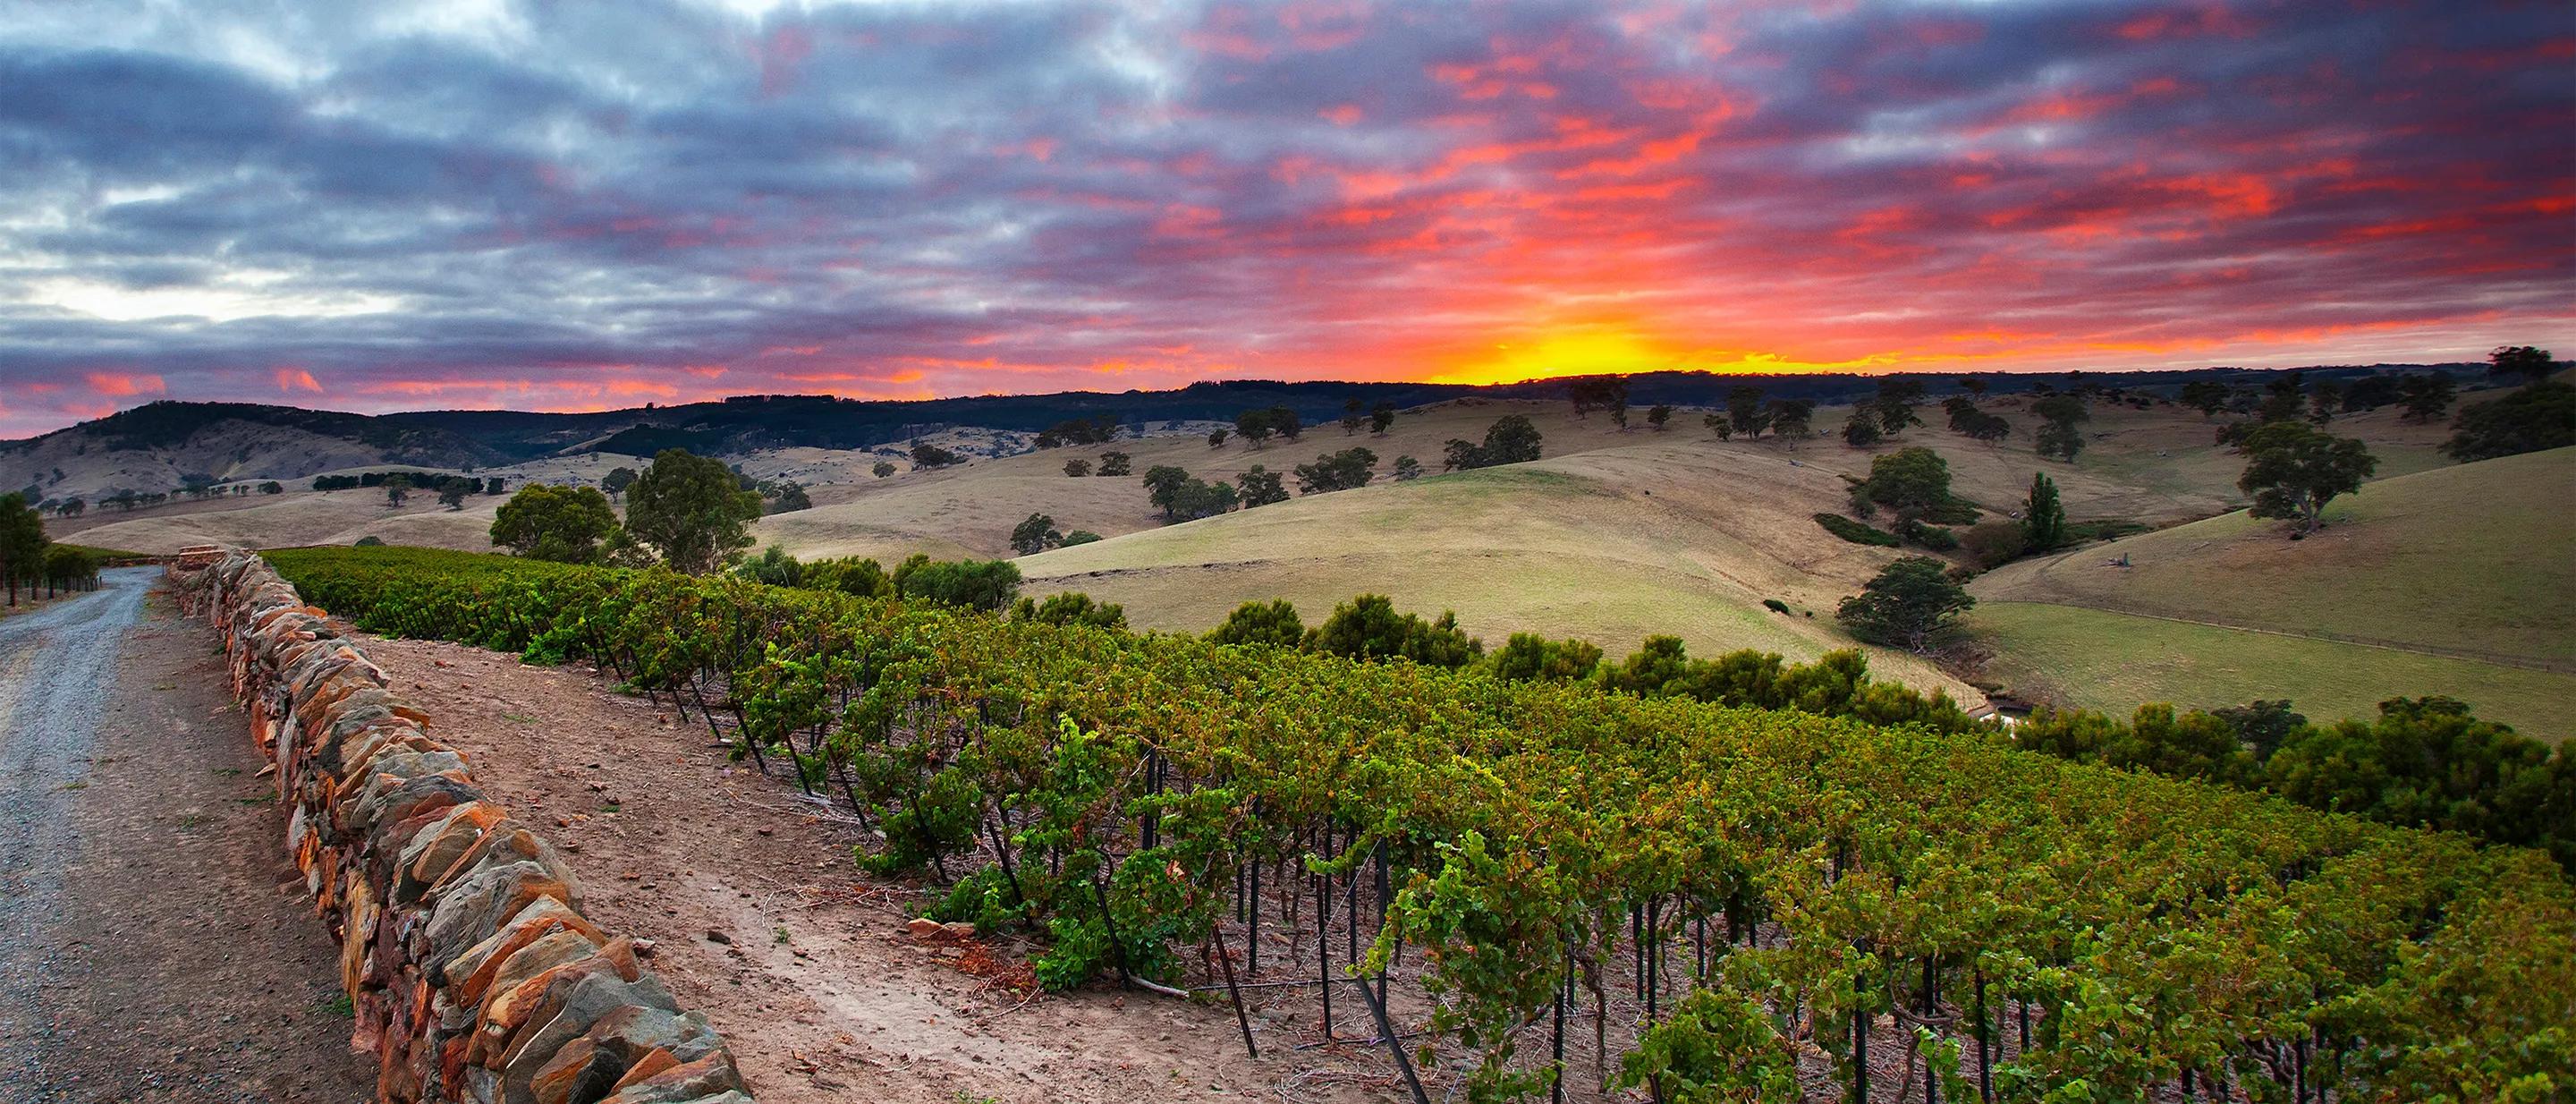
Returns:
<point x="579" y="205"/>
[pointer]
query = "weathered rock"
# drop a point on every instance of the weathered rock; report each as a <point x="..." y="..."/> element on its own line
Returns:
<point x="472" y="974"/>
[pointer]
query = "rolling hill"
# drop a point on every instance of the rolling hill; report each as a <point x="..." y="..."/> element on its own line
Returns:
<point x="2449" y="581"/>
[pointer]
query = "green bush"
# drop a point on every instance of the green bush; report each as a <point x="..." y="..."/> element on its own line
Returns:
<point x="1856" y="532"/>
<point x="1775" y="605"/>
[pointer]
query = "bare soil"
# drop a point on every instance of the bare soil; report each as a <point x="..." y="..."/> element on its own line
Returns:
<point x="760" y="918"/>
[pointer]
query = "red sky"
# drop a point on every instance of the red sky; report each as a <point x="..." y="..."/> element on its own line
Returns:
<point x="535" y="208"/>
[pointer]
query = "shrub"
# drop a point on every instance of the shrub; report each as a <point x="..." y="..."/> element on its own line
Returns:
<point x="1929" y="536"/>
<point x="371" y="542"/>
<point x="1856" y="532"/>
<point x="1995" y="543"/>
<point x="1078" y="536"/>
<point x="1775" y="605"/>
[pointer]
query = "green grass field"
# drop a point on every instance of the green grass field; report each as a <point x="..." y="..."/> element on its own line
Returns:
<point x="2471" y="559"/>
<point x="2113" y="662"/>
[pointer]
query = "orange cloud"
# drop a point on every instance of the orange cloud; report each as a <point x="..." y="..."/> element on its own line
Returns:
<point x="291" y="380"/>
<point x="118" y="385"/>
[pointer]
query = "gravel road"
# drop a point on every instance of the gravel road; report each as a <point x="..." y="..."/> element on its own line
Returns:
<point x="155" y="945"/>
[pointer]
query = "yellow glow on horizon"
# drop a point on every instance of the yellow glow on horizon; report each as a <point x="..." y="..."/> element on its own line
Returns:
<point x="1620" y="350"/>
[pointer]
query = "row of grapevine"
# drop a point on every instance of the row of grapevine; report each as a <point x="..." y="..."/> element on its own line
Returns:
<point x="1777" y="889"/>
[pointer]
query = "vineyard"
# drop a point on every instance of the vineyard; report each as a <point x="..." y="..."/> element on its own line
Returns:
<point x="1750" y="903"/>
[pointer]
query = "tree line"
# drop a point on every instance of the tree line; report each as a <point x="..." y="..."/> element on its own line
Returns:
<point x="29" y="559"/>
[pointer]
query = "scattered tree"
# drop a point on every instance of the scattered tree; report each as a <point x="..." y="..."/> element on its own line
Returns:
<point x="1184" y="498"/>
<point x="2521" y="362"/>
<point x="1718" y="424"/>
<point x="22" y="541"/>
<point x="620" y="478"/>
<point x="1744" y="412"/>
<point x="397" y="489"/>
<point x="269" y="488"/>
<point x="1907" y="605"/>
<point x="2207" y="396"/>
<point x="1658" y="414"/>
<point x="1895" y="405"/>
<point x="1217" y="436"/>
<point x="1079" y="536"/>
<point x="2284" y="398"/>
<point x="2043" y="517"/>
<point x="1253" y="426"/>
<point x="1337" y="471"/>
<point x="1259" y="486"/>
<point x="772" y="566"/>
<point x="691" y="510"/>
<point x="1861" y="429"/>
<point x="1510" y="440"/>
<point x="2540" y="416"/>
<point x="1911" y="482"/>
<point x="930" y="457"/>
<point x="2424" y="396"/>
<point x="790" y="498"/>
<point x="2061" y="414"/>
<point x="1381" y="419"/>
<point x="562" y="524"/>
<point x="1077" y="468"/>
<point x="1035" y="535"/>
<point x="455" y="489"/>
<point x="883" y="469"/>
<point x="1352" y="416"/>
<point x="1113" y="464"/>
<point x="1407" y="469"/>
<point x="1598" y="393"/>
<point x="2294" y="470"/>
<point x="1790" y="418"/>
<point x="1080" y="431"/>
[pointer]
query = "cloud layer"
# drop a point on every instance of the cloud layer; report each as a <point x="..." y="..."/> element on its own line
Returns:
<point x="567" y="206"/>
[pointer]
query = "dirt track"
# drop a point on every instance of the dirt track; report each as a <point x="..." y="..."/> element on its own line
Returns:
<point x="155" y="944"/>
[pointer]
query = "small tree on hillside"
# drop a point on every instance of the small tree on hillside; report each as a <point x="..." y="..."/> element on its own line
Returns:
<point x="2521" y="363"/>
<point x="1513" y="440"/>
<point x="1659" y="414"/>
<point x="1793" y="418"/>
<point x="1253" y="426"/>
<point x="1259" y="486"/>
<point x="1895" y="405"/>
<point x="2043" y="518"/>
<point x="1217" y="436"/>
<point x="2294" y="470"/>
<point x="2541" y="416"/>
<point x="1035" y="535"/>
<point x="269" y="488"/>
<point x="455" y="489"/>
<point x="925" y="457"/>
<point x="691" y="510"/>
<point x="1113" y="464"/>
<point x="22" y="541"/>
<point x="1352" y="416"/>
<point x="2207" y="396"/>
<point x="1407" y="469"/>
<point x="2425" y="396"/>
<point x="1907" y="605"/>
<point x="562" y="524"/>
<point x="1718" y="424"/>
<point x="617" y="480"/>
<point x="1381" y="419"/>
<point x="1861" y="429"/>
<point x="397" y="489"/>
<point x="883" y="468"/>
<point x="1077" y="468"/>
<point x="1911" y="482"/>
<point x="1337" y="471"/>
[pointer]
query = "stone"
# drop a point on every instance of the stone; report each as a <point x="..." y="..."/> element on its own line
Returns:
<point x="709" y="1079"/>
<point x="923" y="927"/>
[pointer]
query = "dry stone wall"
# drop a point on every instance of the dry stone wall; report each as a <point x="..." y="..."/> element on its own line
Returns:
<point x="472" y="973"/>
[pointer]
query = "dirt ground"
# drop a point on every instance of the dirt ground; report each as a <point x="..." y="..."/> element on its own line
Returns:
<point x="155" y="943"/>
<point x="760" y="919"/>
